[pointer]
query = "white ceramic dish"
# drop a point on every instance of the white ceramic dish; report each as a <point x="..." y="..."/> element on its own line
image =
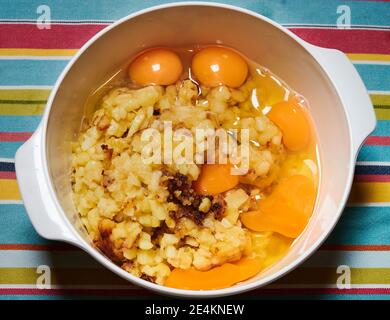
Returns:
<point x="340" y="108"/>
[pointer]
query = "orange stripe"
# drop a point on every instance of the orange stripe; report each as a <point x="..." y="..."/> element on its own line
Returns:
<point x="368" y="57"/>
<point x="37" y="52"/>
<point x="9" y="190"/>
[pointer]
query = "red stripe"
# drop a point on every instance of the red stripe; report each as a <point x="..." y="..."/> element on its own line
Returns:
<point x="14" y="136"/>
<point x="341" y="247"/>
<point x="347" y="40"/>
<point x="372" y="178"/>
<point x="378" y="141"/>
<point x="66" y="36"/>
<point x="141" y="292"/>
<point x="58" y="37"/>
<point x="38" y="247"/>
<point x="7" y="175"/>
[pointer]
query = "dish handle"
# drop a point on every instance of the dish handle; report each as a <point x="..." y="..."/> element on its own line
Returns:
<point x="351" y="90"/>
<point x="41" y="209"/>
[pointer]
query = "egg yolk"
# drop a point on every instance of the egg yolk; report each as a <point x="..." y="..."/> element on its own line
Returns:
<point x="219" y="277"/>
<point x="156" y="66"/>
<point x="214" y="179"/>
<point x="214" y="66"/>
<point x="287" y="210"/>
<point x="292" y="121"/>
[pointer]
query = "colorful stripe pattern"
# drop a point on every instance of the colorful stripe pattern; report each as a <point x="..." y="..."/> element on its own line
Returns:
<point x="30" y="62"/>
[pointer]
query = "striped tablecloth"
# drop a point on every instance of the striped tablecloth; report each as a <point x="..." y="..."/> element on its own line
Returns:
<point x="31" y="60"/>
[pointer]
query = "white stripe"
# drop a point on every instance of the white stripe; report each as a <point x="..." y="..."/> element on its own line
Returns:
<point x="385" y="63"/>
<point x="58" y="22"/>
<point x="353" y="259"/>
<point x="33" y="57"/>
<point x="334" y="26"/>
<point x="369" y="204"/>
<point x="35" y="258"/>
<point x="10" y="160"/>
<point x="379" y="92"/>
<point x="25" y="87"/>
<point x="373" y="163"/>
<point x="11" y="202"/>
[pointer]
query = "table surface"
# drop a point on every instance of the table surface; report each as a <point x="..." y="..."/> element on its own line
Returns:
<point x="31" y="60"/>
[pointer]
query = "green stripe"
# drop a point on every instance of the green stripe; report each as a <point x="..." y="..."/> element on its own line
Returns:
<point x="381" y="106"/>
<point x="23" y="101"/>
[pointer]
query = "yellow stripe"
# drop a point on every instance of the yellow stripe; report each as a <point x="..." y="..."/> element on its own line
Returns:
<point x="382" y="114"/>
<point x="37" y="52"/>
<point x="24" y="94"/>
<point x="9" y="190"/>
<point x="382" y="105"/>
<point x="21" y="109"/>
<point x="380" y="99"/>
<point x="370" y="192"/>
<point x="100" y="276"/>
<point x="65" y="276"/>
<point x="23" y="102"/>
<point x="368" y="57"/>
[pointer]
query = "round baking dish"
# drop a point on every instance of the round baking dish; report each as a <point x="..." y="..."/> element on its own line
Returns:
<point x="339" y="105"/>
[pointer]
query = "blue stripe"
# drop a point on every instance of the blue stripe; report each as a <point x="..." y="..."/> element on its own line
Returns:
<point x="374" y="76"/>
<point x="30" y="72"/>
<point x="19" y="123"/>
<point x="382" y="128"/>
<point x="282" y="11"/>
<point x="374" y="153"/>
<point x="362" y="225"/>
<point x="359" y="169"/>
<point x="16" y="227"/>
<point x="7" y="166"/>
<point x="370" y="169"/>
<point x="30" y="123"/>
<point x="8" y="149"/>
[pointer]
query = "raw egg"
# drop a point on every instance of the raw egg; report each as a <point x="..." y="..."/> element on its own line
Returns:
<point x="214" y="66"/>
<point x="214" y="179"/>
<point x="156" y="66"/>
<point x="287" y="210"/>
<point x="292" y="121"/>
